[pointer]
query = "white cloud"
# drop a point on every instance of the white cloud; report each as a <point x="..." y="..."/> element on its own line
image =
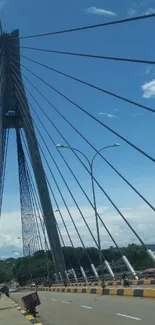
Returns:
<point x="7" y="240"/>
<point x="10" y="221"/>
<point x="108" y="115"/>
<point x="148" y="69"/>
<point x="143" y="2"/>
<point x="99" y="11"/>
<point x="141" y="218"/>
<point x="2" y="3"/>
<point x="137" y="114"/>
<point x="10" y="227"/>
<point x="132" y="12"/>
<point x="116" y="109"/>
<point x="150" y="11"/>
<point x="149" y="89"/>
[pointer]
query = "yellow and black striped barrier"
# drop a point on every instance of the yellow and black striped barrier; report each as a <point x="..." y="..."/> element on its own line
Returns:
<point x="25" y="314"/>
<point x="138" y="292"/>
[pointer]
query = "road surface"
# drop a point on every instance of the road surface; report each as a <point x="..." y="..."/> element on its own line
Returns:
<point x="83" y="309"/>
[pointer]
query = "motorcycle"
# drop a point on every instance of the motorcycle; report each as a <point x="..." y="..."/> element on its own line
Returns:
<point x="126" y="282"/>
<point x="7" y="293"/>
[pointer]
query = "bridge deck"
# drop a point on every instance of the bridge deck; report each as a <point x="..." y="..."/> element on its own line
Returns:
<point x="69" y="308"/>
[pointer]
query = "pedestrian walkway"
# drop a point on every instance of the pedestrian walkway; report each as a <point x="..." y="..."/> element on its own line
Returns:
<point x="9" y="315"/>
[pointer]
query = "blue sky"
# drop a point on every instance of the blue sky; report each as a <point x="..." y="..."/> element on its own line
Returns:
<point x="131" y="80"/>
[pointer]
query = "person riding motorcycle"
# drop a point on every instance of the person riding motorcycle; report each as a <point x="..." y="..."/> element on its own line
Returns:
<point x="5" y="290"/>
<point x="126" y="280"/>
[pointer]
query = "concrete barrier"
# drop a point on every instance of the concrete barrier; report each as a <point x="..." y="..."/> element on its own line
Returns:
<point x="26" y="314"/>
<point x="146" y="293"/>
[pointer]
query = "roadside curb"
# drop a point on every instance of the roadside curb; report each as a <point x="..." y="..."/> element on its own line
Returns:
<point x="29" y="317"/>
<point x="143" y="293"/>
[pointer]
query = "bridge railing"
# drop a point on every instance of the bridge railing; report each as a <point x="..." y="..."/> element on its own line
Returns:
<point x="92" y="279"/>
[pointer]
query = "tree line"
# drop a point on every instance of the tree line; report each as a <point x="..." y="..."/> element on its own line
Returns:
<point x="41" y="265"/>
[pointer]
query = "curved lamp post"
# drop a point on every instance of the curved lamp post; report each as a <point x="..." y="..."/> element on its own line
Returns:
<point x="91" y="163"/>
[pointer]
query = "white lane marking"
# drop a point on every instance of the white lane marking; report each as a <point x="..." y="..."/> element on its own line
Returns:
<point x="65" y="302"/>
<point x="127" y="316"/>
<point x="43" y="297"/>
<point x="83" y="306"/>
<point x="53" y="299"/>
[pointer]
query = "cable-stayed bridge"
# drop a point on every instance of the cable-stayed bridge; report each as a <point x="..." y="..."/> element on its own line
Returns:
<point x="44" y="163"/>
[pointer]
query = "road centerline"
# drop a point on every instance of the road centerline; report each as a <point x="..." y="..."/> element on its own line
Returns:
<point x="127" y="316"/>
<point x="87" y="307"/>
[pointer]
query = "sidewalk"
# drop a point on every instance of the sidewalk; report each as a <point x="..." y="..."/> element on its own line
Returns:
<point x="9" y="315"/>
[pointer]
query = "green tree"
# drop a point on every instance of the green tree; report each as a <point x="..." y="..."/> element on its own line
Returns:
<point x="37" y="266"/>
<point x="138" y="257"/>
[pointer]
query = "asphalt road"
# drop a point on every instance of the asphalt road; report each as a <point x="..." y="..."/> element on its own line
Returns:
<point x="83" y="309"/>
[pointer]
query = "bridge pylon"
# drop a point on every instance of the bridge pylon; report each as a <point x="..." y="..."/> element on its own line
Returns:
<point x="15" y="114"/>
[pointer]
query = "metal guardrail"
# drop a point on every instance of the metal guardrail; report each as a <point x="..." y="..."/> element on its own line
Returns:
<point x="118" y="276"/>
<point x="141" y="275"/>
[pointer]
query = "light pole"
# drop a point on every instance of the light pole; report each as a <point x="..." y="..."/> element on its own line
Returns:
<point x="90" y="163"/>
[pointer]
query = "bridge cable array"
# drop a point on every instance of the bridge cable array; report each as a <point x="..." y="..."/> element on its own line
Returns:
<point x="145" y="246"/>
<point x="20" y="94"/>
<point x="58" y="208"/>
<point x="93" y="117"/>
<point x="71" y="30"/>
<point x="120" y="214"/>
<point x="91" y="56"/>
<point x="82" y="136"/>
<point x="81" y="240"/>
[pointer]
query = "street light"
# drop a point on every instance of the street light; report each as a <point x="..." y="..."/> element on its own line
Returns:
<point x="90" y="163"/>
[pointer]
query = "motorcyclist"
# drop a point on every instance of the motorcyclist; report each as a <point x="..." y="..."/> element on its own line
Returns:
<point x="65" y="283"/>
<point x="124" y="275"/>
<point x="126" y="280"/>
<point x="5" y="290"/>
